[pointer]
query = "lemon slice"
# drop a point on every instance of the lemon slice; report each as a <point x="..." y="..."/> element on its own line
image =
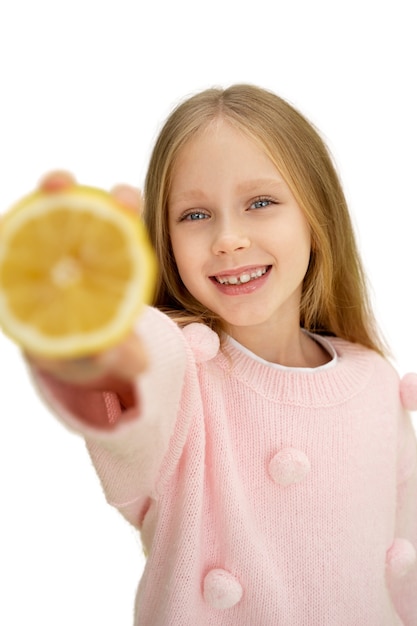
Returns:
<point x="75" y="269"/>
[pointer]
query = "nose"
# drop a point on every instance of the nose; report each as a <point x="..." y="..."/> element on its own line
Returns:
<point x="229" y="238"/>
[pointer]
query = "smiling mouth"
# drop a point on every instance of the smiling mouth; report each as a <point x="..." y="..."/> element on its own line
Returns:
<point x="241" y="279"/>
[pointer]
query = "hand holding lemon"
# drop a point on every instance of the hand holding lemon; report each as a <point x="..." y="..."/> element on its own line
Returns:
<point x="76" y="267"/>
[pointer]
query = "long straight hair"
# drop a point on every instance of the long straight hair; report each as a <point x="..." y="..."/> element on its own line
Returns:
<point x="335" y="297"/>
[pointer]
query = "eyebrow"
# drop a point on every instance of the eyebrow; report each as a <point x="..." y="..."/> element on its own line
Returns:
<point x="254" y="185"/>
<point x="257" y="184"/>
<point x="190" y="194"/>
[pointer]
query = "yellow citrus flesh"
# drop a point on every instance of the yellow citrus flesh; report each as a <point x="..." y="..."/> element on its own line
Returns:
<point x="75" y="269"/>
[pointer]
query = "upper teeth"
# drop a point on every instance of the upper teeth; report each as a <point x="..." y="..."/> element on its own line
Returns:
<point x="243" y="278"/>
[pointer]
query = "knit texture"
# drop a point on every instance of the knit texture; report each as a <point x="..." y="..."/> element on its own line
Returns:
<point x="264" y="497"/>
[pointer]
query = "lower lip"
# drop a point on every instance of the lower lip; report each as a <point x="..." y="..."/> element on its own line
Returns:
<point x="243" y="289"/>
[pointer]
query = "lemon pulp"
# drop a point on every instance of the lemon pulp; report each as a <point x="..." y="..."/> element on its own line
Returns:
<point x="75" y="268"/>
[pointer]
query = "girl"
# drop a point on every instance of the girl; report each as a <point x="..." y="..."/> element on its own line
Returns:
<point x="252" y="429"/>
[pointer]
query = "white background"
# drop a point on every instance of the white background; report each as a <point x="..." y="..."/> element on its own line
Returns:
<point x="85" y="86"/>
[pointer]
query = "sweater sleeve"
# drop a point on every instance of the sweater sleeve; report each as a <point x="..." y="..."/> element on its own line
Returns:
<point x="401" y="557"/>
<point x="128" y="456"/>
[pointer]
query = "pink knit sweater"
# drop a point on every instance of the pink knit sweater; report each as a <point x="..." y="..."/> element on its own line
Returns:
<point x="265" y="496"/>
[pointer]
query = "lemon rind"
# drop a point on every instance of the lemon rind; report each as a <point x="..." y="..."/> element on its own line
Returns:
<point x="138" y="293"/>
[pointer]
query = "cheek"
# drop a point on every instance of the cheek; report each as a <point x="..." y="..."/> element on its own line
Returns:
<point x="189" y="249"/>
<point x="295" y="249"/>
<point x="183" y="256"/>
<point x="179" y="249"/>
<point x="186" y="261"/>
<point x="301" y="237"/>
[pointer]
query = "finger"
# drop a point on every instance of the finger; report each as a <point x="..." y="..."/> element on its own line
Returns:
<point x="76" y="371"/>
<point x="130" y="197"/>
<point x="56" y="181"/>
<point x="125" y="361"/>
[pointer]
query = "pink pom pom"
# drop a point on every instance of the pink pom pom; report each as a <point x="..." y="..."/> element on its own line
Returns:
<point x="401" y="558"/>
<point x="289" y="466"/>
<point x="221" y="589"/>
<point x="203" y="341"/>
<point x="408" y="392"/>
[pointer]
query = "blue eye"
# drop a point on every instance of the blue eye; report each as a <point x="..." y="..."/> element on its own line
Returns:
<point x="195" y="216"/>
<point x="261" y="203"/>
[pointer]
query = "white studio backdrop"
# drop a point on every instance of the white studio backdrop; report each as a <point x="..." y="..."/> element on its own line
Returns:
<point x="85" y="86"/>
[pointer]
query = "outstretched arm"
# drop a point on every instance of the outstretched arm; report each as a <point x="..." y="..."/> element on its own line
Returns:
<point x="114" y="370"/>
<point x="123" y="401"/>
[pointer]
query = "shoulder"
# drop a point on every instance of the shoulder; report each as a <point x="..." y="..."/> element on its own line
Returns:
<point x="383" y="373"/>
<point x="355" y="352"/>
<point x="203" y="342"/>
<point x="198" y="340"/>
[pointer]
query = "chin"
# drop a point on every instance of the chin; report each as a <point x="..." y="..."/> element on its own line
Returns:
<point x="245" y="321"/>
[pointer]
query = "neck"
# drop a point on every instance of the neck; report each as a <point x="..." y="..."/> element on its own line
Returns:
<point x="291" y="347"/>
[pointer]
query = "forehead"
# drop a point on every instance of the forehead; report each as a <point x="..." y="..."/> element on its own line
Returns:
<point x="220" y="133"/>
<point x="222" y="151"/>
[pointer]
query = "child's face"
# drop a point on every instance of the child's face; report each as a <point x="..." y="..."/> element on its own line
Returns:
<point x="240" y="240"/>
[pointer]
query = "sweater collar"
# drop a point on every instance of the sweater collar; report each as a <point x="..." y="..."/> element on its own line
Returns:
<point x="323" y="341"/>
<point x="352" y="367"/>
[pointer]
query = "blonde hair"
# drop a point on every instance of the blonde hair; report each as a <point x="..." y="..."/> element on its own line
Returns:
<point x="334" y="298"/>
